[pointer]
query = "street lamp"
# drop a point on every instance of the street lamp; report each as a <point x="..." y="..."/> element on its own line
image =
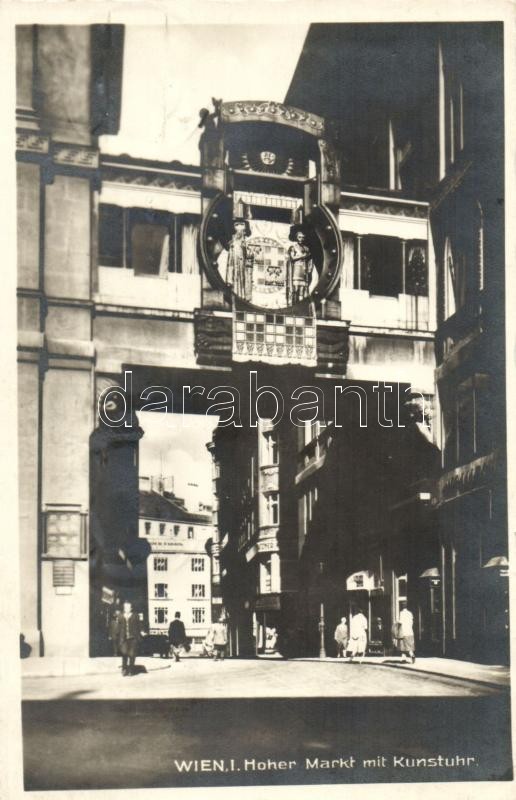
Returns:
<point x="500" y="563"/>
<point x="322" y="649"/>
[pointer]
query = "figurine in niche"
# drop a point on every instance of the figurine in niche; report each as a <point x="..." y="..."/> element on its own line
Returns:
<point x="239" y="276"/>
<point x="299" y="266"/>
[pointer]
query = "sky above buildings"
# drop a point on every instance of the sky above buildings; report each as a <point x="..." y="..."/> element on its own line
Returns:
<point x="171" y="72"/>
<point x="175" y="445"/>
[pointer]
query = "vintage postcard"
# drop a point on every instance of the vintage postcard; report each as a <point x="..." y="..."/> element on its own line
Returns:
<point x="260" y="479"/>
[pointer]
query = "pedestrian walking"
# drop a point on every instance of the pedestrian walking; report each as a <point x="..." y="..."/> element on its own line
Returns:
<point x="220" y="639"/>
<point x="127" y="637"/>
<point x="406" y="633"/>
<point x="113" y="631"/>
<point x="177" y="635"/>
<point x="207" y="645"/>
<point x="271" y="640"/>
<point x="341" y="637"/>
<point x="357" y="636"/>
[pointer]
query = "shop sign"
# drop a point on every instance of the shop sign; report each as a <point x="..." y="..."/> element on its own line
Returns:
<point x="108" y="595"/>
<point x="360" y="580"/>
<point x="267" y="546"/>
<point x="266" y="602"/>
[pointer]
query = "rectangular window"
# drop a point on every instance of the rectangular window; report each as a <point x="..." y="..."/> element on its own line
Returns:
<point x="465" y="421"/>
<point x="197" y="564"/>
<point x="198" y="615"/>
<point x="252" y="481"/>
<point x="301" y="516"/>
<point x="111" y="235"/>
<point x="451" y="139"/>
<point x="161" y="528"/>
<point x="381" y="265"/>
<point x="160" y="615"/>
<point x="144" y="240"/>
<point x="311" y="498"/>
<point x="161" y="590"/>
<point x="147" y="529"/>
<point x="266" y="577"/>
<point x="401" y="592"/>
<point x="271" y="447"/>
<point x="272" y="508"/>
<point x="198" y="590"/>
<point x="190" y="533"/>
<point x="160" y="564"/>
<point x="149" y="241"/>
<point x="483" y="415"/>
<point x="176" y="530"/>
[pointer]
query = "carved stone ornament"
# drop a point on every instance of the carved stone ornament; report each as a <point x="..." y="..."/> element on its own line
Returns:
<point x="31" y="142"/>
<point x="391" y="209"/>
<point x="76" y="156"/>
<point x="269" y="111"/>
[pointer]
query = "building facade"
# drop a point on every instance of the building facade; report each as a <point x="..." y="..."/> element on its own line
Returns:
<point x="300" y="253"/>
<point x="428" y="123"/>
<point x="178" y="565"/>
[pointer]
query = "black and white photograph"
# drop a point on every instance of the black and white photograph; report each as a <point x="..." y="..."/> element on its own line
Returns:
<point x="263" y="499"/>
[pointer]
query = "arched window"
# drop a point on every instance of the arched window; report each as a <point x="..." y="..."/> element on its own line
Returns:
<point x="454" y="279"/>
<point x="449" y="281"/>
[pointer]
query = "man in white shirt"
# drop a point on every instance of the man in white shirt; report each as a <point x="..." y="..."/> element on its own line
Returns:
<point x="406" y="633"/>
<point x="358" y="635"/>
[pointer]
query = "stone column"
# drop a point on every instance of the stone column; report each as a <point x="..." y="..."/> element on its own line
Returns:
<point x="57" y="171"/>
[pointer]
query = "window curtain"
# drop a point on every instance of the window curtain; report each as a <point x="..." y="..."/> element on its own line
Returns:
<point x="165" y="254"/>
<point x="348" y="262"/>
<point x="189" y="249"/>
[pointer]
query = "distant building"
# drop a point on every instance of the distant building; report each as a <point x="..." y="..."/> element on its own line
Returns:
<point x="178" y="566"/>
<point x="157" y="483"/>
<point x="294" y="540"/>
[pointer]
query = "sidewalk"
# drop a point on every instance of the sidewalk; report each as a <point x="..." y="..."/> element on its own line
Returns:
<point x="486" y="674"/>
<point x="489" y="674"/>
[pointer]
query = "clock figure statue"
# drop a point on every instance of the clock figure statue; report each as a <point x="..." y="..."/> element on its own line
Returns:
<point x="239" y="276"/>
<point x="299" y="267"/>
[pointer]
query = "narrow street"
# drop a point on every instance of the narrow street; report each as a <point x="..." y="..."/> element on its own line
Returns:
<point x="199" y="723"/>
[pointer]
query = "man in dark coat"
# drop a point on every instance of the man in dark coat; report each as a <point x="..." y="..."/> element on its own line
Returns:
<point x="177" y="635"/>
<point x="113" y="631"/>
<point x="128" y="635"/>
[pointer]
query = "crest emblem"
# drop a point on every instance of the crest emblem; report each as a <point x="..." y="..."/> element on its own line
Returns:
<point x="268" y="158"/>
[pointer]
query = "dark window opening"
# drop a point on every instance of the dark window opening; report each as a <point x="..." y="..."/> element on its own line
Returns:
<point x="149" y="240"/>
<point x="468" y="422"/>
<point x="111" y="236"/>
<point x="144" y="240"/>
<point x="270" y="214"/>
<point x="381" y="265"/>
<point x="465" y="421"/>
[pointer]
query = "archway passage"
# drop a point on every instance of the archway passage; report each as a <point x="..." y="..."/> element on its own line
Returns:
<point x="295" y="513"/>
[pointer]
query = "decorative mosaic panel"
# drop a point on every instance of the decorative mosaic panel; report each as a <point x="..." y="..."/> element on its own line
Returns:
<point x="274" y="338"/>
